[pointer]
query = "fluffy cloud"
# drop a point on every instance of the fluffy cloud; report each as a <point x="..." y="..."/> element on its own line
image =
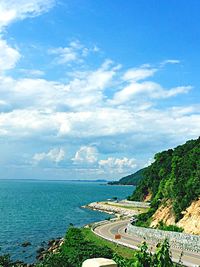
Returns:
<point x="74" y="52"/>
<point x="139" y="74"/>
<point x="86" y="154"/>
<point x="55" y="155"/>
<point x="83" y="107"/>
<point x="102" y="122"/>
<point x="21" y="123"/>
<point x="37" y="93"/>
<point x="147" y="90"/>
<point x="103" y="103"/>
<point x="117" y="165"/>
<point x="11" y="10"/>
<point x="8" y="56"/>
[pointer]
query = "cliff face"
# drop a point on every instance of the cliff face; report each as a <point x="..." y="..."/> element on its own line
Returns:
<point x="163" y="213"/>
<point x="190" y="221"/>
<point x="148" y="197"/>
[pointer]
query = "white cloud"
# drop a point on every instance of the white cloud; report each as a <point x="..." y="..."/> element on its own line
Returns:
<point x="80" y="108"/>
<point x="83" y="92"/>
<point x="11" y="10"/>
<point x="74" y="52"/>
<point x="102" y="103"/>
<point x="138" y="85"/>
<point x="3" y="103"/>
<point x="8" y="56"/>
<point x="55" y="155"/>
<point x="169" y="61"/>
<point x="147" y="89"/>
<point x="118" y="165"/>
<point x="175" y="91"/>
<point x="138" y="74"/>
<point x="32" y="72"/>
<point x="98" y="104"/>
<point x="86" y="154"/>
<point x="100" y="122"/>
<point x="25" y="122"/>
<point x="92" y="81"/>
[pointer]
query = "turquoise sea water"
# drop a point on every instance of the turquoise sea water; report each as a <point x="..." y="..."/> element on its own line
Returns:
<point x="37" y="211"/>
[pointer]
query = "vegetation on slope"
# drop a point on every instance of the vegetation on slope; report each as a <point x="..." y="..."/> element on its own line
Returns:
<point x="132" y="179"/>
<point x="174" y="175"/>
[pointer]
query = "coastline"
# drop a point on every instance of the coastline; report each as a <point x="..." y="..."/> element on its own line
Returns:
<point x="121" y="209"/>
<point x="112" y="208"/>
<point x="119" y="213"/>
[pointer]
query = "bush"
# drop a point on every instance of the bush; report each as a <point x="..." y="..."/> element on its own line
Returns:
<point x="144" y="258"/>
<point x="173" y="228"/>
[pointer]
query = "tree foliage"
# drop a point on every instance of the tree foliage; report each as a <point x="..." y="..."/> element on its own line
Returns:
<point x="174" y="175"/>
<point x="132" y="179"/>
<point x="172" y="228"/>
<point x="144" y="258"/>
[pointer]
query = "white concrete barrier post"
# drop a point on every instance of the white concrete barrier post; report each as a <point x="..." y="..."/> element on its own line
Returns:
<point x="99" y="262"/>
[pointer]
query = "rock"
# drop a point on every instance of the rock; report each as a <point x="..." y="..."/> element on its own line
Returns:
<point x="40" y="257"/>
<point x="40" y="250"/>
<point x="26" y="244"/>
<point x="61" y="242"/>
<point x="50" y="242"/>
<point x="52" y="247"/>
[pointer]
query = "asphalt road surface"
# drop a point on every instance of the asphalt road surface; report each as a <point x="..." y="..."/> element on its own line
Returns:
<point x="109" y="230"/>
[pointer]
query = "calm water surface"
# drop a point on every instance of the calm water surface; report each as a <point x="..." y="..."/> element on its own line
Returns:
<point x="37" y="211"/>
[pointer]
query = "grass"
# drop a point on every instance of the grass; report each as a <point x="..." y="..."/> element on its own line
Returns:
<point x="123" y="251"/>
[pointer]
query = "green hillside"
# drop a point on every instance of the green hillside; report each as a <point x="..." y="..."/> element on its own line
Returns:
<point x="174" y="175"/>
<point x="132" y="179"/>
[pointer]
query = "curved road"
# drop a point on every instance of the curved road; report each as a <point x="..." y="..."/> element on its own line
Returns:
<point x="109" y="230"/>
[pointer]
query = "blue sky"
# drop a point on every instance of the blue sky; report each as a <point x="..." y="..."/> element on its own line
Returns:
<point x="93" y="89"/>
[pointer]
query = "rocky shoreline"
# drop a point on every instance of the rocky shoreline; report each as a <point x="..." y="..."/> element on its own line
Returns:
<point x="112" y="209"/>
<point x="52" y="247"/>
<point x="54" y="244"/>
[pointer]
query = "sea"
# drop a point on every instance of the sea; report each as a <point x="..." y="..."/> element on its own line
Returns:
<point x="36" y="211"/>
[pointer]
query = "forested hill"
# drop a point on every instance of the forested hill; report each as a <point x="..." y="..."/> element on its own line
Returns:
<point x="132" y="179"/>
<point x="174" y="176"/>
